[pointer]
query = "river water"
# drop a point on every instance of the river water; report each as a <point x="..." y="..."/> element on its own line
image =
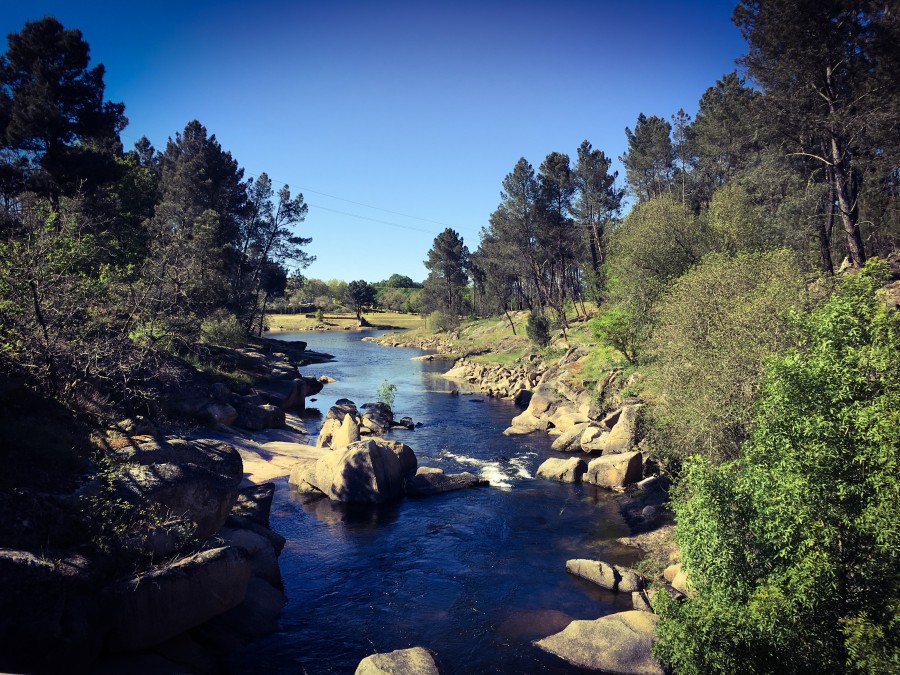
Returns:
<point x="473" y="575"/>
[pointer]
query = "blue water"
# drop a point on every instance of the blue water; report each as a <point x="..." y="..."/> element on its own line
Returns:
<point x="475" y="576"/>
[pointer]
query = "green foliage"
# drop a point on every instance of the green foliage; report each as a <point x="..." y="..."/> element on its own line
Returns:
<point x="320" y="315"/>
<point x="223" y="328"/>
<point x="441" y="322"/>
<point x="386" y="393"/>
<point x="735" y="222"/>
<point x="715" y="328"/>
<point x="794" y="548"/>
<point x="538" y="329"/>
<point x="359" y="294"/>
<point x="622" y="329"/>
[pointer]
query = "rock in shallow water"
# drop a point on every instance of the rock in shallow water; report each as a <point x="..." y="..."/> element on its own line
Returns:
<point x="429" y="481"/>
<point x="413" y="661"/>
<point x="565" y="470"/>
<point x="618" y="643"/>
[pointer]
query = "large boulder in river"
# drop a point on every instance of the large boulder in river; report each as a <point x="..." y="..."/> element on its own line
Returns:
<point x="155" y="606"/>
<point x="566" y="470"/>
<point x="365" y="471"/>
<point x="429" y="481"/>
<point x="597" y="571"/>
<point x="345" y="434"/>
<point x="566" y="417"/>
<point x="413" y="661"/>
<point x="377" y="418"/>
<point x="615" y="470"/>
<point x="618" y="643"/>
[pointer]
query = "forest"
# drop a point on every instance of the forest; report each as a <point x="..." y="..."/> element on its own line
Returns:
<point x="738" y="266"/>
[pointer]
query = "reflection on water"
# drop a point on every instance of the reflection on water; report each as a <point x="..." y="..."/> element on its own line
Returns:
<point x="475" y="576"/>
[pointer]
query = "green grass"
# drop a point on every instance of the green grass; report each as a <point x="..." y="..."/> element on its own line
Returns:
<point x="300" y="322"/>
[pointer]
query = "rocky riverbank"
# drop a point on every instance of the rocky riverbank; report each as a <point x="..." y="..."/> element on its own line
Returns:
<point x="161" y="557"/>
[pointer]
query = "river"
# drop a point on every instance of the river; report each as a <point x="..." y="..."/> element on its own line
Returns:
<point x="475" y="575"/>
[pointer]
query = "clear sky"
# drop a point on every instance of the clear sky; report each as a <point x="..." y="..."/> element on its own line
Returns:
<point x="417" y="108"/>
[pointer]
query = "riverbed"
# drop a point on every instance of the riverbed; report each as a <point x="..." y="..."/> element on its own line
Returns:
<point x="475" y="576"/>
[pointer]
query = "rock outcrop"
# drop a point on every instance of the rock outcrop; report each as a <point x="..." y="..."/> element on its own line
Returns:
<point x="154" y="606"/>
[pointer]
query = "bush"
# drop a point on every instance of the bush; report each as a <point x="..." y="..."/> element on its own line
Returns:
<point x="793" y="550"/>
<point x="386" y="393"/>
<point x="538" y="329"/>
<point x="439" y="321"/>
<point x="715" y="328"/>
<point x="224" y="329"/>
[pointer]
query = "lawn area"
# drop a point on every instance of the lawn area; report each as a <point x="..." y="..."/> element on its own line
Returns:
<point x="334" y="321"/>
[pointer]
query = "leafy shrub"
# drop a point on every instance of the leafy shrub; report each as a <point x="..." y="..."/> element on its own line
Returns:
<point x="793" y="550"/>
<point x="538" y="329"/>
<point x="715" y="328"/>
<point x="439" y="321"/>
<point x="386" y="393"/>
<point x="224" y="329"/>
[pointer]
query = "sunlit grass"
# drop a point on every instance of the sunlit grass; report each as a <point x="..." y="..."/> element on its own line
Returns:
<point x="343" y="321"/>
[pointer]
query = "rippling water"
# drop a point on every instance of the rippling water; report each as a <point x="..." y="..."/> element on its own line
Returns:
<point x="475" y="576"/>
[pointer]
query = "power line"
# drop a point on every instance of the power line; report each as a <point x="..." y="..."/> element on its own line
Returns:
<point x="351" y="201"/>
<point x="374" y="220"/>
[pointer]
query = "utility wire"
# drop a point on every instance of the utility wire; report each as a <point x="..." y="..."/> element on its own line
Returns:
<point x="349" y="201"/>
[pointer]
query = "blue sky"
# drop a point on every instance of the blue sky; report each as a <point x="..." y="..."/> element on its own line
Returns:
<point x="417" y="108"/>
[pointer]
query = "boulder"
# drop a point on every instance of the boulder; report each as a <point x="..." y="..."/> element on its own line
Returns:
<point x="154" y="606"/>
<point x="260" y="552"/>
<point x="567" y="417"/>
<point x="364" y="471"/>
<point x="405" y="423"/>
<point x="640" y="601"/>
<point x="629" y="580"/>
<point x="326" y="433"/>
<point x="377" y="417"/>
<point x="216" y="456"/>
<point x="255" y="617"/>
<point x="523" y="398"/>
<point x="618" y="643"/>
<point x="528" y="421"/>
<point x="601" y="573"/>
<point x="285" y="394"/>
<point x="303" y="477"/>
<point x="615" y="470"/>
<point x="259" y="417"/>
<point x="566" y="470"/>
<point x="543" y="401"/>
<point x="255" y="503"/>
<point x="592" y="439"/>
<point x="676" y="576"/>
<point x="221" y="413"/>
<point x="346" y="434"/>
<point x="622" y="437"/>
<point x="569" y="441"/>
<point x="50" y="617"/>
<point x="413" y="661"/>
<point x="341" y="407"/>
<point x="184" y="491"/>
<point x="408" y="460"/>
<point x="429" y="481"/>
<point x="518" y="431"/>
